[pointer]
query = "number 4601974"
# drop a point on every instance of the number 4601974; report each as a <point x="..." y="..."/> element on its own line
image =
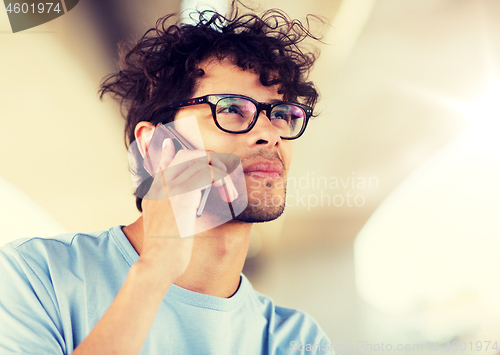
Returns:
<point x="462" y="346"/>
<point x="40" y="8"/>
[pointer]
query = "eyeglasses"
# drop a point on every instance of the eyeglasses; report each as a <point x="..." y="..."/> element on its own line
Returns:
<point x="238" y="114"/>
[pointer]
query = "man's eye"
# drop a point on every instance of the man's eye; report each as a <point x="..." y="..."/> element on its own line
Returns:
<point x="281" y="115"/>
<point x="230" y="109"/>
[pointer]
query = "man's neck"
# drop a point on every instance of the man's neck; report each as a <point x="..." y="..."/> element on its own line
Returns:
<point x="217" y="259"/>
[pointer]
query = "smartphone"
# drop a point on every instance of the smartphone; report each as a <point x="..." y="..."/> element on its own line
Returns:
<point x="166" y="131"/>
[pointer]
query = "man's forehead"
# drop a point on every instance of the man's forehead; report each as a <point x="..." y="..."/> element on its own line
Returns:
<point x="224" y="77"/>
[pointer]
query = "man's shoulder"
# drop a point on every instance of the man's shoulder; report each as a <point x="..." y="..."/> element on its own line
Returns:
<point x="40" y="254"/>
<point x="44" y="247"/>
<point x="289" y="326"/>
<point x="282" y="313"/>
<point x="46" y="284"/>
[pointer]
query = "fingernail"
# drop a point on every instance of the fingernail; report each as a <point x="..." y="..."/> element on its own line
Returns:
<point x="164" y="143"/>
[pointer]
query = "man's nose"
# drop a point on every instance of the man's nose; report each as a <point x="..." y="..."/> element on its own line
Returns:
<point x="264" y="133"/>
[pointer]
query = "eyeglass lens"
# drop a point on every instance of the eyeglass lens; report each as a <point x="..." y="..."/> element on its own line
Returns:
<point x="237" y="114"/>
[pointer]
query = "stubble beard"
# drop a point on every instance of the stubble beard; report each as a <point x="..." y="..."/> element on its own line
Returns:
<point x="267" y="207"/>
<point x="263" y="201"/>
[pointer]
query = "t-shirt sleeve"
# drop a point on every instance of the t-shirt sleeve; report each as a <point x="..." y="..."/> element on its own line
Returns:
<point x="299" y="333"/>
<point x="325" y="346"/>
<point x="30" y="322"/>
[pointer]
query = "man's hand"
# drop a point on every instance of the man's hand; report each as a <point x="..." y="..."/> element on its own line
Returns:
<point x="164" y="255"/>
<point x="169" y="208"/>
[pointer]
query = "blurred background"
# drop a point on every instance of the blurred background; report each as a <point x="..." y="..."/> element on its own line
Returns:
<point x="391" y="228"/>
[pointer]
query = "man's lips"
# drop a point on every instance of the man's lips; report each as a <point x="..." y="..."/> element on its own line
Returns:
<point x="264" y="169"/>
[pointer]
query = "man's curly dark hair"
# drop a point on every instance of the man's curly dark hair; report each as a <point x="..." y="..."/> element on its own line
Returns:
<point x="163" y="66"/>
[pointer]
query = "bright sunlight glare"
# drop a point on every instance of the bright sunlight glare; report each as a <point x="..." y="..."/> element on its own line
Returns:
<point x="482" y="114"/>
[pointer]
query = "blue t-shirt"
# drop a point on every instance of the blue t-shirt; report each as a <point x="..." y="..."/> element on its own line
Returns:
<point x="53" y="292"/>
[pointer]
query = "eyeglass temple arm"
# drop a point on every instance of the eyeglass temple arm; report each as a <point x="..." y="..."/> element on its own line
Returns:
<point x="189" y="102"/>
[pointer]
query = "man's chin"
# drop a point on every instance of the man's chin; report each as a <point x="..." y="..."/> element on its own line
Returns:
<point x="259" y="214"/>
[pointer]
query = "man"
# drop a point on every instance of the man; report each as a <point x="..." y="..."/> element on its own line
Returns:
<point x="141" y="288"/>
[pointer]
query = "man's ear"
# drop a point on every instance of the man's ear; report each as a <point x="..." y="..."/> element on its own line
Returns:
<point x="143" y="133"/>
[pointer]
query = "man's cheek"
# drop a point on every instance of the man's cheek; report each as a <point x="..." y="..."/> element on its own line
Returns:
<point x="287" y="154"/>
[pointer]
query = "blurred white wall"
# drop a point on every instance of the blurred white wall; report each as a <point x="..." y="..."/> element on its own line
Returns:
<point x="60" y="145"/>
<point x="20" y="217"/>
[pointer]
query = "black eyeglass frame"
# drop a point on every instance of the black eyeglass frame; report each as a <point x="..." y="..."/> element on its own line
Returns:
<point x="213" y="100"/>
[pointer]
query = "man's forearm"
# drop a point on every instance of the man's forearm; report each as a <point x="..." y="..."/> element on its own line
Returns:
<point x="125" y="325"/>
